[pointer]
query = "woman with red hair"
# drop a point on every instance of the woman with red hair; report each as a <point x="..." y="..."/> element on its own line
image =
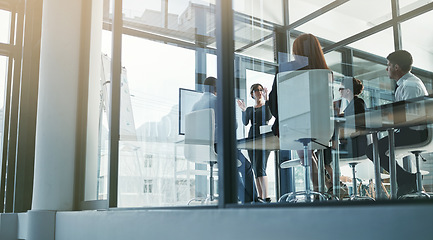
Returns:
<point x="308" y="53"/>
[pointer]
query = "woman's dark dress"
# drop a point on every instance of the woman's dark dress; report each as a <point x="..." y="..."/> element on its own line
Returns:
<point x="258" y="117"/>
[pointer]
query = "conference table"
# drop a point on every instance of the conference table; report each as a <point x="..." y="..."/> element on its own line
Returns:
<point x="383" y="118"/>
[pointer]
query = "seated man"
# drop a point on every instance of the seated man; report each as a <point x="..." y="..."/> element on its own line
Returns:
<point x="408" y="86"/>
<point x="246" y="187"/>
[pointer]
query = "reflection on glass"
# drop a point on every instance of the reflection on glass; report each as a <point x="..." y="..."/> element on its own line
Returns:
<point x="378" y="88"/>
<point x="152" y="167"/>
<point x="261" y="51"/>
<point x="265" y="10"/>
<point x="181" y="17"/>
<point x="96" y="175"/>
<point x="417" y="39"/>
<point x="5" y="27"/>
<point x="343" y="22"/>
<point x="253" y="32"/>
<point x="333" y="59"/>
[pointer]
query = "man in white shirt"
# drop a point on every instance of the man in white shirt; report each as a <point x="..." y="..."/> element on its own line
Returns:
<point x="408" y="86"/>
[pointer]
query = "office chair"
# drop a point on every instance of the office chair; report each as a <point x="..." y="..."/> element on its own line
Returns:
<point x="199" y="144"/>
<point x="353" y="158"/>
<point x="305" y="110"/>
<point x="416" y="150"/>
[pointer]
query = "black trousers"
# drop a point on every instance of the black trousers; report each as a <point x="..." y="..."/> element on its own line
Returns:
<point x="404" y="137"/>
<point x="247" y="190"/>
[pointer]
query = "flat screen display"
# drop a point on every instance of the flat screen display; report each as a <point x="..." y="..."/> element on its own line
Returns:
<point x="187" y="98"/>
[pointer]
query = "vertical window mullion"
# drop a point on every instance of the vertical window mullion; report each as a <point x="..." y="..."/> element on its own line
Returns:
<point x="114" y="124"/>
<point x="225" y="108"/>
<point x="396" y="27"/>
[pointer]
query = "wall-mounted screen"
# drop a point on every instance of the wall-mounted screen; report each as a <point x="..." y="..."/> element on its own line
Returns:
<point x="187" y="98"/>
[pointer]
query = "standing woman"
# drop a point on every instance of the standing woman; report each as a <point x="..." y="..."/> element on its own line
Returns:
<point x="308" y="51"/>
<point x="258" y="115"/>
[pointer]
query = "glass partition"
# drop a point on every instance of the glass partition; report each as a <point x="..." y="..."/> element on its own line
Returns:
<point x="254" y="74"/>
<point x="165" y="59"/>
<point x="168" y="53"/>
<point x="378" y="88"/>
<point x="97" y="155"/>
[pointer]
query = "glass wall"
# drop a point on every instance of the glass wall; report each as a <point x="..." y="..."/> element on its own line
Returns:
<point x="168" y="50"/>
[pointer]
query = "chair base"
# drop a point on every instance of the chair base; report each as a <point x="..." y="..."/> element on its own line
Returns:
<point x="204" y="201"/>
<point x="361" y="198"/>
<point x="416" y="195"/>
<point x="309" y="196"/>
<point x="291" y="163"/>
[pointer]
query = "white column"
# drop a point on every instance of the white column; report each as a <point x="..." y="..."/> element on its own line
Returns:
<point x="93" y="114"/>
<point x="57" y="106"/>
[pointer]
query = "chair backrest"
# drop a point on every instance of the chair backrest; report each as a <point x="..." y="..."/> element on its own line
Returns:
<point x="200" y="136"/>
<point x="426" y="145"/>
<point x="305" y="108"/>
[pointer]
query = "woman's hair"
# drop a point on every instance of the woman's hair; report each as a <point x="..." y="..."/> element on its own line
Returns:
<point x="307" y="45"/>
<point x="355" y="85"/>
<point x="255" y="87"/>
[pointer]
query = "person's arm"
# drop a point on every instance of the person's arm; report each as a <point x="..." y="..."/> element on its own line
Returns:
<point x="409" y="92"/>
<point x="359" y="109"/>
<point x="268" y="114"/>
<point x="273" y="106"/>
<point x="243" y="107"/>
<point x="272" y="101"/>
<point x="247" y="116"/>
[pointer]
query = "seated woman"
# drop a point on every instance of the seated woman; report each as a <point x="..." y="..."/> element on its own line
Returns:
<point x="308" y="47"/>
<point x="355" y="144"/>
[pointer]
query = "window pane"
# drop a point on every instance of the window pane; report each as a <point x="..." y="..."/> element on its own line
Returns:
<point x="254" y="49"/>
<point x="378" y="88"/>
<point x="267" y="10"/>
<point x="301" y="8"/>
<point x="96" y="171"/>
<point x="253" y="28"/>
<point x="5" y="26"/>
<point x="333" y="59"/>
<point x="153" y="74"/>
<point x="417" y="38"/>
<point x="380" y="43"/>
<point x="343" y="22"/>
<point x="409" y="5"/>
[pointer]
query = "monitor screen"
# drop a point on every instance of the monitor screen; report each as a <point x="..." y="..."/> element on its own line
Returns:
<point x="187" y="98"/>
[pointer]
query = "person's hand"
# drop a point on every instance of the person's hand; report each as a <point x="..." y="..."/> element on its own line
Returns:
<point x="242" y="105"/>
<point x="265" y="94"/>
